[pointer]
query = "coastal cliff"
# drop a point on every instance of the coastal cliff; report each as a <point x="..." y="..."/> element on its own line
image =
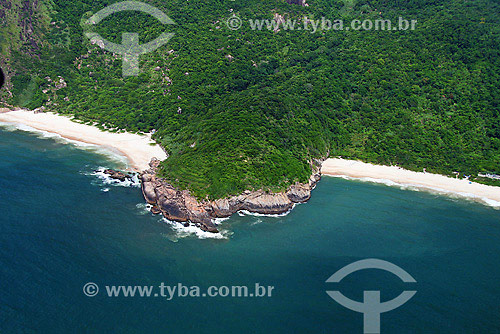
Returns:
<point x="181" y="206"/>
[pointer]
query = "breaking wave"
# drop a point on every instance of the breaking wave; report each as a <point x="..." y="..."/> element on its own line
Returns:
<point x="101" y="150"/>
<point x="243" y="213"/>
<point x="416" y="187"/>
<point x="105" y="179"/>
<point x="180" y="231"/>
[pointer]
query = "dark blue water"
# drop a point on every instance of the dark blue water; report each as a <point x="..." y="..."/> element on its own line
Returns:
<point x="60" y="228"/>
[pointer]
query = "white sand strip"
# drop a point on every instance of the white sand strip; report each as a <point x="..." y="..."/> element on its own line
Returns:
<point x="136" y="148"/>
<point x="433" y="182"/>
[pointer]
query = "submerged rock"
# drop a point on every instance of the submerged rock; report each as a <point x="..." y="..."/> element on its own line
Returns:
<point x="117" y="175"/>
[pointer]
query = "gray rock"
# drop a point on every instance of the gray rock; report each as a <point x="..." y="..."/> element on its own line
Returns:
<point x="116" y="175"/>
<point x="148" y="190"/>
<point x="299" y="193"/>
<point x="267" y="203"/>
<point x="154" y="163"/>
<point x="181" y="206"/>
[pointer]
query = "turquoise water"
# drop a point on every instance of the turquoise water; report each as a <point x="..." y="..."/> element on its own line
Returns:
<point x="61" y="227"/>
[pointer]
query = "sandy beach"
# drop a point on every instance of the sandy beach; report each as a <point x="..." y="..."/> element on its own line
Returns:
<point x="393" y="175"/>
<point x="135" y="147"/>
<point x="139" y="152"/>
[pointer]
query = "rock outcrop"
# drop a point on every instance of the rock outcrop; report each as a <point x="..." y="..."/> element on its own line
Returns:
<point x="181" y="206"/>
<point x="116" y="175"/>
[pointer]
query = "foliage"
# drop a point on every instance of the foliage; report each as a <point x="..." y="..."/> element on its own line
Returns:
<point x="424" y="98"/>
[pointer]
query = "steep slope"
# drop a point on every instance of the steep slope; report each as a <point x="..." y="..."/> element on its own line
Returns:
<point x="250" y="109"/>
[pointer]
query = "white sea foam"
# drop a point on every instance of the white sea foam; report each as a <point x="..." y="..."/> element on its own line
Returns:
<point x="106" y="179"/>
<point x="143" y="208"/>
<point x="243" y="213"/>
<point x="11" y="127"/>
<point x="109" y="153"/>
<point x="182" y="231"/>
<point x="416" y="187"/>
<point x="491" y="202"/>
<point x="258" y="221"/>
<point x="218" y="221"/>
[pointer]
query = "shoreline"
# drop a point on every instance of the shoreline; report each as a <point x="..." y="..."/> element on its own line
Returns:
<point x="136" y="148"/>
<point x="138" y="152"/>
<point x="393" y="175"/>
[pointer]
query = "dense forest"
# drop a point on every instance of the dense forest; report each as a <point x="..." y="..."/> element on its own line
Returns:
<point x="249" y="109"/>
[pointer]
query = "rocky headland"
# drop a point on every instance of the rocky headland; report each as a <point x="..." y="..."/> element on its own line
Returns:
<point x="181" y="206"/>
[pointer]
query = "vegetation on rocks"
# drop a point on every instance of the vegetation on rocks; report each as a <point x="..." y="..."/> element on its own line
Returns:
<point x="250" y="109"/>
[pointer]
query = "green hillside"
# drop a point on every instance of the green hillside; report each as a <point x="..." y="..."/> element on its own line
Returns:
<point x="248" y="109"/>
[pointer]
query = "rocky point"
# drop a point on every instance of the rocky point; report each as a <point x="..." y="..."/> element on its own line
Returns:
<point x="181" y="206"/>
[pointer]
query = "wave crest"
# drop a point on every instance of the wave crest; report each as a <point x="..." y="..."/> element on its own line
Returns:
<point x="181" y="231"/>
<point x="416" y="187"/>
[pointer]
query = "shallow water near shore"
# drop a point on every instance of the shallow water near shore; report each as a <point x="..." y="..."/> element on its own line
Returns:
<point x="62" y="226"/>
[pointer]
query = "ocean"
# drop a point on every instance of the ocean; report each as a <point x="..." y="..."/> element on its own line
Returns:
<point x="63" y="225"/>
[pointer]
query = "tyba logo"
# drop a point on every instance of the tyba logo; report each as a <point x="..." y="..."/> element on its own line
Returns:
<point x="130" y="49"/>
<point x="371" y="307"/>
